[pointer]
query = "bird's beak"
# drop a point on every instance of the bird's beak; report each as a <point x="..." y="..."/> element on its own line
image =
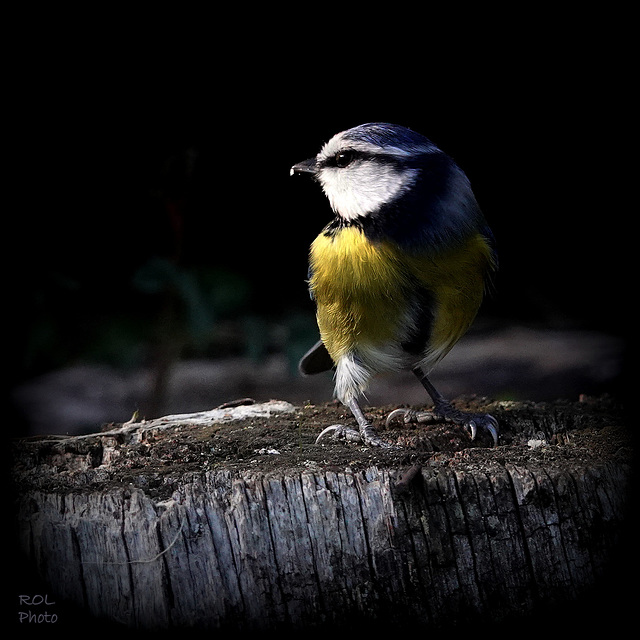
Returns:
<point x="306" y="166"/>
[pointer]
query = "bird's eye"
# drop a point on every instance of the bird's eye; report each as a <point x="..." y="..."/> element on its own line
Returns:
<point x="343" y="158"/>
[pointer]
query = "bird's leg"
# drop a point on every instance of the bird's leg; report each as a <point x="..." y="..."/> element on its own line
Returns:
<point x="365" y="434"/>
<point x="444" y="412"/>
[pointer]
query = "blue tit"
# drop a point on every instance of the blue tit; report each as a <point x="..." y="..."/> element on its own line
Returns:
<point x="399" y="273"/>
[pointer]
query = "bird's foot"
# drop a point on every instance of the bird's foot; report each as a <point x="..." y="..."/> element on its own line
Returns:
<point x="444" y="412"/>
<point x="366" y="435"/>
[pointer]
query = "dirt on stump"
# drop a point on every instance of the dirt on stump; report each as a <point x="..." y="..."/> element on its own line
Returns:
<point x="154" y="458"/>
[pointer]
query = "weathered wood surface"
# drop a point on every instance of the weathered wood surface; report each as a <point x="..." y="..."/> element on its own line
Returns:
<point x="250" y="525"/>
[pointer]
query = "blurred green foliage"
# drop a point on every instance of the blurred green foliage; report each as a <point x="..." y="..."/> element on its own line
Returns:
<point x="183" y="311"/>
<point x="201" y="296"/>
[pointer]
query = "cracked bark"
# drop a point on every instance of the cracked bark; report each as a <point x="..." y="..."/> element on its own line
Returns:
<point x="468" y="536"/>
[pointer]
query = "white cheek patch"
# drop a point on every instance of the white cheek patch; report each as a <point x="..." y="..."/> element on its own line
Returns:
<point x="359" y="190"/>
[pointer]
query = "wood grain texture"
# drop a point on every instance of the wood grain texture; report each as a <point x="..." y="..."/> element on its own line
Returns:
<point x="477" y="534"/>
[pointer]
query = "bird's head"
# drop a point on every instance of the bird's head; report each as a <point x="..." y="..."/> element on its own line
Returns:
<point x="367" y="167"/>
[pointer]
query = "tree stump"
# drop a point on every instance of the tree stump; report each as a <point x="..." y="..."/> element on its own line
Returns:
<point x="234" y="519"/>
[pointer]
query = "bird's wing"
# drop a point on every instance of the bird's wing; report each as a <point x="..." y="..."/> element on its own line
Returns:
<point x="316" y="360"/>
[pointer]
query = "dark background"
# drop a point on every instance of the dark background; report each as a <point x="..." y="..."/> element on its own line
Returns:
<point x="152" y="216"/>
<point x="149" y="214"/>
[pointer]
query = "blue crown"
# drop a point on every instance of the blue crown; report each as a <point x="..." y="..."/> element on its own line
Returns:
<point x="383" y="134"/>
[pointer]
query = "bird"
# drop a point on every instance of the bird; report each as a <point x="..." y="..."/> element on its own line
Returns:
<point x="399" y="273"/>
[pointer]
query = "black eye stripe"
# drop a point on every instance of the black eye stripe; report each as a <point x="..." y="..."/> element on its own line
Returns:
<point x="345" y="157"/>
<point x="342" y="158"/>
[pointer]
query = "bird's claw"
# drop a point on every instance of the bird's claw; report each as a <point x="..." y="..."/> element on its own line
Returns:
<point x="470" y="421"/>
<point x="411" y="416"/>
<point x="366" y="435"/>
<point x="371" y="438"/>
<point x="482" y="421"/>
<point x="340" y="432"/>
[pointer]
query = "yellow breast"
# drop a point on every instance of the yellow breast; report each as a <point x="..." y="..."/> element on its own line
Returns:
<point x="357" y="286"/>
<point x="457" y="278"/>
<point x="363" y="289"/>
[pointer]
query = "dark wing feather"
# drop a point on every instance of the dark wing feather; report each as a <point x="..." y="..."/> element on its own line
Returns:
<point x="316" y="360"/>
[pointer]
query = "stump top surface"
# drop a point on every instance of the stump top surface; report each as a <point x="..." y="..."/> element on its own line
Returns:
<point x="154" y="455"/>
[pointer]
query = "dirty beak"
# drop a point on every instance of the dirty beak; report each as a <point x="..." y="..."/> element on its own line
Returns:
<point x="306" y="166"/>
